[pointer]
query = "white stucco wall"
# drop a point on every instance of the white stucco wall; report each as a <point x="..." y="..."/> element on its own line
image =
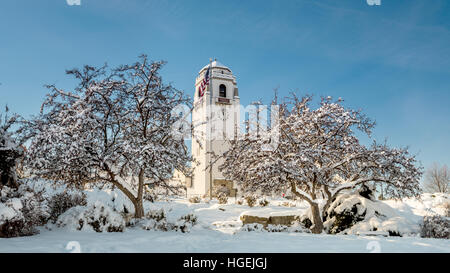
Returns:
<point x="200" y="181"/>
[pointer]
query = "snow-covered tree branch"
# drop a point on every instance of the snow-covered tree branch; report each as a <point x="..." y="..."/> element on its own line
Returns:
<point x="114" y="127"/>
<point x="10" y="148"/>
<point x="318" y="155"/>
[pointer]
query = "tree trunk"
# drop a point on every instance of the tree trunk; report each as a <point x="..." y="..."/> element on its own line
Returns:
<point x="138" y="203"/>
<point x="317" y="220"/>
<point x="138" y="208"/>
<point x="317" y="227"/>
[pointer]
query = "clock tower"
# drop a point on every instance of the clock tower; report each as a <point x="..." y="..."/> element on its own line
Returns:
<point x="215" y="118"/>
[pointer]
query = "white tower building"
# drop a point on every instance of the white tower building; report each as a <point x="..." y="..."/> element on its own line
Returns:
<point x="221" y="98"/>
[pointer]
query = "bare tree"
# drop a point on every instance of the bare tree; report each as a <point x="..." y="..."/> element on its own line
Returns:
<point x="318" y="154"/>
<point x="437" y="179"/>
<point x="115" y="127"/>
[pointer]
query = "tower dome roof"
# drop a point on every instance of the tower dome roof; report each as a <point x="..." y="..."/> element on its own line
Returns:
<point x="215" y="64"/>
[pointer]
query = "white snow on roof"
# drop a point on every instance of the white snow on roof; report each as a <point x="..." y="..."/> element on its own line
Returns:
<point x="215" y="64"/>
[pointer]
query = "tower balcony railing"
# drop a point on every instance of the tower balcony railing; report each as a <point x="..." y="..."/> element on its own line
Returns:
<point x="220" y="100"/>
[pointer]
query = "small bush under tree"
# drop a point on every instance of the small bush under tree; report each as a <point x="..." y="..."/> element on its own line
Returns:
<point x="263" y="202"/>
<point x="195" y="199"/>
<point x="157" y="220"/>
<point x="61" y="202"/>
<point x="251" y="200"/>
<point x="97" y="217"/>
<point x="435" y="227"/>
<point x="21" y="211"/>
<point x="222" y="197"/>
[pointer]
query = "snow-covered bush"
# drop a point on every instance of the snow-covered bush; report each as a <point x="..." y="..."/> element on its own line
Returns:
<point x="194" y="199"/>
<point x="35" y="209"/>
<point x="295" y="227"/>
<point x="12" y="220"/>
<point x="345" y="219"/>
<point x="97" y="217"/>
<point x="222" y="197"/>
<point x="185" y="223"/>
<point x="111" y="197"/>
<point x="61" y="202"/>
<point x="305" y="221"/>
<point x="222" y="193"/>
<point x="251" y="200"/>
<point x="21" y="211"/>
<point x="252" y="227"/>
<point x="435" y="226"/>
<point x="263" y="202"/>
<point x="288" y="204"/>
<point x="355" y="214"/>
<point x="157" y="220"/>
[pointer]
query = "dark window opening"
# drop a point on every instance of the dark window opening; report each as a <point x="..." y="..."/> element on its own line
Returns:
<point x="223" y="91"/>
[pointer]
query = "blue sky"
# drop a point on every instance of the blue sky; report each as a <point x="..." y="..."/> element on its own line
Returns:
<point x="393" y="60"/>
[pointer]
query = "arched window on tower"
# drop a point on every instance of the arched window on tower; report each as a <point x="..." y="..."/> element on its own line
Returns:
<point x="223" y="91"/>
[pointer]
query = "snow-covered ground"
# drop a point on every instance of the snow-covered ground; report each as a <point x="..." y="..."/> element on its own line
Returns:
<point x="201" y="240"/>
<point x="218" y="230"/>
